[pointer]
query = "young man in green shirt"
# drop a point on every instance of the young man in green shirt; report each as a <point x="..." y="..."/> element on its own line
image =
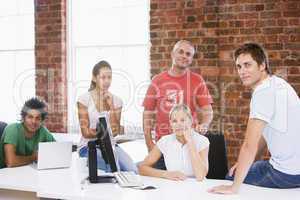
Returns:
<point x="19" y="142"/>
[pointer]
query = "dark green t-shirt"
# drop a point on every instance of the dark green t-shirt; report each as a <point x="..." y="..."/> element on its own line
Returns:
<point x="15" y="134"/>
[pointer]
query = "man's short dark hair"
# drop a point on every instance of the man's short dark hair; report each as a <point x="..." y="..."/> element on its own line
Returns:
<point x="256" y="51"/>
<point x="34" y="104"/>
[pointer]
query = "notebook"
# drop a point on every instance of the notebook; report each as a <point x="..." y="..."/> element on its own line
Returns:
<point x="53" y="155"/>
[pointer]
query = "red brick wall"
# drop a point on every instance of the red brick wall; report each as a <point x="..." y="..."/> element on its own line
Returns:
<point x="217" y="27"/>
<point x="50" y="53"/>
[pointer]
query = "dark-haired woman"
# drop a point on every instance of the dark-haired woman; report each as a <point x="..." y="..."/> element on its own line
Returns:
<point x="99" y="99"/>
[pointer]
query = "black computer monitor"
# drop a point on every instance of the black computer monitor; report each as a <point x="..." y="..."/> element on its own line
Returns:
<point x="106" y="145"/>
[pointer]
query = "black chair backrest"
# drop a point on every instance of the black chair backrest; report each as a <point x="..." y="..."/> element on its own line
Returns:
<point x="217" y="157"/>
<point x="2" y="127"/>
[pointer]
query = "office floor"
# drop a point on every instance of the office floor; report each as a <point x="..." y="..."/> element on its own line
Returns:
<point x="6" y="195"/>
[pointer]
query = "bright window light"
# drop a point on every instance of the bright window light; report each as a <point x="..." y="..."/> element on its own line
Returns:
<point x="116" y="31"/>
<point x="17" y="82"/>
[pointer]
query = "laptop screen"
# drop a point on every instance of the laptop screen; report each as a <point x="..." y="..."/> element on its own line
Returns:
<point x="53" y="155"/>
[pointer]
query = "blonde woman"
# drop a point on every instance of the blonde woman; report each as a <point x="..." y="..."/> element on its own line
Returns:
<point x="185" y="151"/>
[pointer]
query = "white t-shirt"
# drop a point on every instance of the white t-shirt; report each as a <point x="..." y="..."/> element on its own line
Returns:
<point x="276" y="102"/>
<point x="176" y="155"/>
<point x="87" y="100"/>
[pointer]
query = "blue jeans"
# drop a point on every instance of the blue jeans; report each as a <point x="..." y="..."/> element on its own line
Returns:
<point x="262" y="173"/>
<point x="124" y="160"/>
<point x="160" y="164"/>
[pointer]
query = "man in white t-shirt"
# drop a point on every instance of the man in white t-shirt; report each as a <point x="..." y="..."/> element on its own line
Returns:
<point x="273" y="123"/>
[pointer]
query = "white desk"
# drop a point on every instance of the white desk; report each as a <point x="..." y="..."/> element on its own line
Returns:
<point x="190" y="189"/>
<point x="18" y="183"/>
<point x="19" y="178"/>
<point x="66" y="184"/>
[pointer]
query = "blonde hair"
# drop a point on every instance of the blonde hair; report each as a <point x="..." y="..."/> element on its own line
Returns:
<point x="181" y="107"/>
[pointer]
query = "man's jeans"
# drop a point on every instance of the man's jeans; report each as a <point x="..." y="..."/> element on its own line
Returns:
<point x="160" y="164"/>
<point x="124" y="160"/>
<point x="262" y="173"/>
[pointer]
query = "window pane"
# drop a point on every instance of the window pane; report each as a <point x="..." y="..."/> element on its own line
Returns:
<point x="25" y="26"/>
<point x="116" y="31"/>
<point x="25" y="7"/>
<point x="17" y="32"/>
<point x="8" y="7"/>
<point x="113" y="26"/>
<point x="103" y="31"/>
<point x="17" y="83"/>
<point x="16" y="56"/>
<point x="24" y="78"/>
<point x="136" y="30"/>
<point x="8" y="33"/>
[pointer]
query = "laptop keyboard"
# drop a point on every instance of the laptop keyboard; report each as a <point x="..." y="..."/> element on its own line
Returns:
<point x="128" y="179"/>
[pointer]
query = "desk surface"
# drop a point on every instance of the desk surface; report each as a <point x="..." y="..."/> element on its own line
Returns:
<point x="68" y="184"/>
<point x="189" y="189"/>
<point x="19" y="178"/>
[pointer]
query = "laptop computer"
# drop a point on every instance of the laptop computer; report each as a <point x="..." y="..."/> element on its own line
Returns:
<point x="54" y="155"/>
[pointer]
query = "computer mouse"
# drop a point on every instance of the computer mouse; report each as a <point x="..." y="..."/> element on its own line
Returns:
<point x="149" y="187"/>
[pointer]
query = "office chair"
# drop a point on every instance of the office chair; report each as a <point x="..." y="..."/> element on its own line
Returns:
<point x="217" y="157"/>
<point x="2" y="126"/>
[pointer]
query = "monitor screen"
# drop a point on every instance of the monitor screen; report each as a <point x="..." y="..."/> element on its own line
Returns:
<point x="106" y="143"/>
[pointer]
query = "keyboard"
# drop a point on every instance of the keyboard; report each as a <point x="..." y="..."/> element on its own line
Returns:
<point x="128" y="179"/>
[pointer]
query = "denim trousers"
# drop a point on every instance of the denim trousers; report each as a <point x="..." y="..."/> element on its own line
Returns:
<point x="262" y="173"/>
<point x="124" y="160"/>
<point x="160" y="164"/>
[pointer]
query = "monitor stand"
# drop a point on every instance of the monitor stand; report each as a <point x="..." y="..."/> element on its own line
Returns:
<point x="92" y="159"/>
<point x="103" y="179"/>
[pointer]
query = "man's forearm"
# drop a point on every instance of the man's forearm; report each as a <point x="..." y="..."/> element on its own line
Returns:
<point x="148" y="138"/>
<point x="206" y="115"/>
<point x="245" y="159"/>
<point x="249" y="149"/>
<point x="148" y="118"/>
<point x="20" y="160"/>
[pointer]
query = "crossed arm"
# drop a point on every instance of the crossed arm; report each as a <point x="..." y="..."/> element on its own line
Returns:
<point x="14" y="160"/>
